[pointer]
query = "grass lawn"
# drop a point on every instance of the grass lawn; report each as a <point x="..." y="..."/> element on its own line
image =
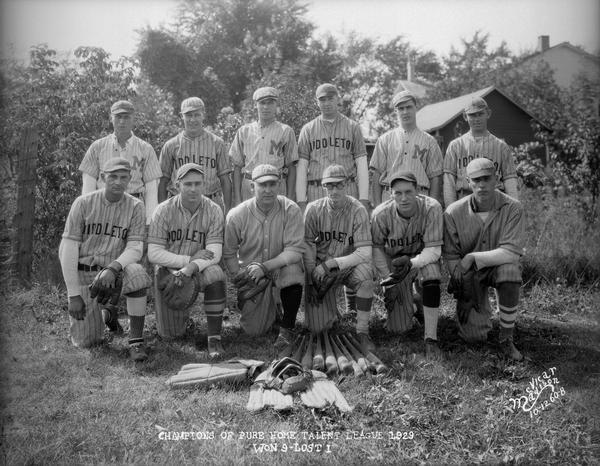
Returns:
<point x="64" y="405"/>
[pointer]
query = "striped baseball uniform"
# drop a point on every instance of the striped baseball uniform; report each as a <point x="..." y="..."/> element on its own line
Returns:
<point x="254" y="145"/>
<point x="180" y="232"/>
<point x="413" y="150"/>
<point x="336" y="233"/>
<point x="397" y="235"/>
<point x="103" y="229"/>
<point x="465" y="148"/>
<point x="325" y="143"/>
<point x="140" y="154"/>
<point x="207" y="150"/>
<point x="253" y="236"/>
<point x="465" y="232"/>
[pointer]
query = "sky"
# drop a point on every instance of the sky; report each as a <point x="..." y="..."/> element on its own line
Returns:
<point x="427" y="24"/>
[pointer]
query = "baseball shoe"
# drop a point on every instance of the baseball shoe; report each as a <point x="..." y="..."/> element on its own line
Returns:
<point x="111" y="320"/>
<point x="215" y="347"/>
<point x="508" y="349"/>
<point x="432" y="349"/>
<point x="365" y="342"/>
<point x="137" y="352"/>
<point x="285" y="338"/>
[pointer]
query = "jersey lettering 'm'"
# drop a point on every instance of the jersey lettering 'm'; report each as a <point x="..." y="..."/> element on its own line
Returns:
<point x="323" y="143"/>
<point x="201" y="160"/>
<point x="334" y="235"/>
<point x="403" y="242"/>
<point x="419" y="153"/>
<point x="105" y="229"/>
<point x="188" y="235"/>
<point x="276" y="147"/>
<point x="137" y="164"/>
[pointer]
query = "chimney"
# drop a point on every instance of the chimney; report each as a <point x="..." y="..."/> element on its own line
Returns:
<point x="409" y="70"/>
<point x="543" y="43"/>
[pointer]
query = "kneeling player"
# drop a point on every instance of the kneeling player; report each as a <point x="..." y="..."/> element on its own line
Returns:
<point x="407" y="230"/>
<point x="263" y="243"/>
<point x="338" y="241"/>
<point x="186" y="237"/>
<point x="101" y="245"/>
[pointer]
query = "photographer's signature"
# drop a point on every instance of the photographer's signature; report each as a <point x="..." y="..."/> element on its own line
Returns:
<point x="547" y="385"/>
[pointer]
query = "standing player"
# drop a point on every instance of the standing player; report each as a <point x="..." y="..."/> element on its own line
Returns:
<point x="103" y="238"/>
<point x="407" y="148"/>
<point x="331" y="139"/>
<point x="266" y="141"/>
<point x="145" y="170"/>
<point x="478" y="142"/>
<point x="264" y="235"/>
<point x="483" y="241"/>
<point x="196" y="145"/>
<point x="410" y="224"/>
<point x="338" y="237"/>
<point x="186" y="236"/>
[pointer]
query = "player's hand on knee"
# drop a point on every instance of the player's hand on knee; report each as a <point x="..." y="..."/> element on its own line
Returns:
<point x="318" y="273"/>
<point x="76" y="307"/>
<point x="467" y="262"/>
<point x="256" y="271"/>
<point x="203" y="254"/>
<point x="189" y="269"/>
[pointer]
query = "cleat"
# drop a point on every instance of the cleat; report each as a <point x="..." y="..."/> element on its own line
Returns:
<point x="137" y="352"/>
<point x="365" y="342"/>
<point x="111" y="320"/>
<point x="432" y="349"/>
<point x="508" y="349"/>
<point x="215" y="347"/>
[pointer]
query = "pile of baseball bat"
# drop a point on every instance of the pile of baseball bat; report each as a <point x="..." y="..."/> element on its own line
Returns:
<point x="334" y="354"/>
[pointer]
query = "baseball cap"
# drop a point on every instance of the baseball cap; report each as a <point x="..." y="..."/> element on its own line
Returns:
<point x="402" y="96"/>
<point x="334" y="174"/>
<point x="265" y="93"/>
<point x="480" y="167"/>
<point x="192" y="103"/>
<point x="116" y="164"/>
<point x="476" y="105"/>
<point x="404" y="175"/>
<point x="122" y="106"/>
<point x="326" y="89"/>
<point x="265" y="172"/>
<point x="188" y="167"/>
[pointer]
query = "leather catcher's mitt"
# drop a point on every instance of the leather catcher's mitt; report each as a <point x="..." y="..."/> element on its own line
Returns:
<point x="467" y="294"/>
<point x="288" y="376"/>
<point x="178" y="290"/>
<point x="390" y="296"/>
<point x="326" y="282"/>
<point x="107" y="285"/>
<point x="247" y="288"/>
<point x="401" y="267"/>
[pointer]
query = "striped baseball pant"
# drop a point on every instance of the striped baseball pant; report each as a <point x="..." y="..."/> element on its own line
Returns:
<point x="171" y="323"/>
<point x="316" y="191"/>
<point x="90" y="331"/>
<point x="259" y="313"/>
<point x="478" y="324"/>
<point x="325" y="314"/>
<point x="400" y="320"/>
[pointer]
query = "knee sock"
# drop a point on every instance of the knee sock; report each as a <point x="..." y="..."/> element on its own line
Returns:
<point x="136" y="308"/>
<point x="290" y="301"/>
<point x="431" y="321"/>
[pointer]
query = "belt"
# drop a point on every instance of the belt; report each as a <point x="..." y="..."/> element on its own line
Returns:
<point x="318" y="182"/>
<point x="248" y="176"/>
<point x="387" y="188"/>
<point x="213" y="195"/>
<point x="137" y="195"/>
<point x="88" y="268"/>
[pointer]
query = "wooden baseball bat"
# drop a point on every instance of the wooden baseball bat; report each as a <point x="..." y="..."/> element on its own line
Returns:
<point x="379" y="366"/>
<point x="361" y="359"/>
<point x="330" y="360"/>
<point x="355" y="367"/>
<point x="342" y="361"/>
<point x="297" y="355"/>
<point x="307" y="359"/>
<point x="318" y="363"/>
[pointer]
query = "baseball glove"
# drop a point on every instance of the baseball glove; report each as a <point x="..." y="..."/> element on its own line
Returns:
<point x="178" y="290"/>
<point x="390" y="296"/>
<point x="323" y="285"/>
<point x="465" y="290"/>
<point x="248" y="288"/>
<point x="107" y="284"/>
<point x="401" y="267"/>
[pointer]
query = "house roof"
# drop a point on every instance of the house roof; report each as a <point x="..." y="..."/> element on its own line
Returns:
<point x="418" y="89"/>
<point x="435" y="116"/>
<point x="567" y="45"/>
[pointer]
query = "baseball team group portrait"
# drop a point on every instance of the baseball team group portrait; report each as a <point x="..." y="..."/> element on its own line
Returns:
<point x="286" y="232"/>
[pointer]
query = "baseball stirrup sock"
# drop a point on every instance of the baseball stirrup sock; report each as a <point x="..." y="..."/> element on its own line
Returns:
<point x="350" y="299"/>
<point x="136" y="327"/>
<point x="291" y="296"/>
<point x="431" y="321"/>
<point x="214" y="324"/>
<point x="362" y="321"/>
<point x="508" y="315"/>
